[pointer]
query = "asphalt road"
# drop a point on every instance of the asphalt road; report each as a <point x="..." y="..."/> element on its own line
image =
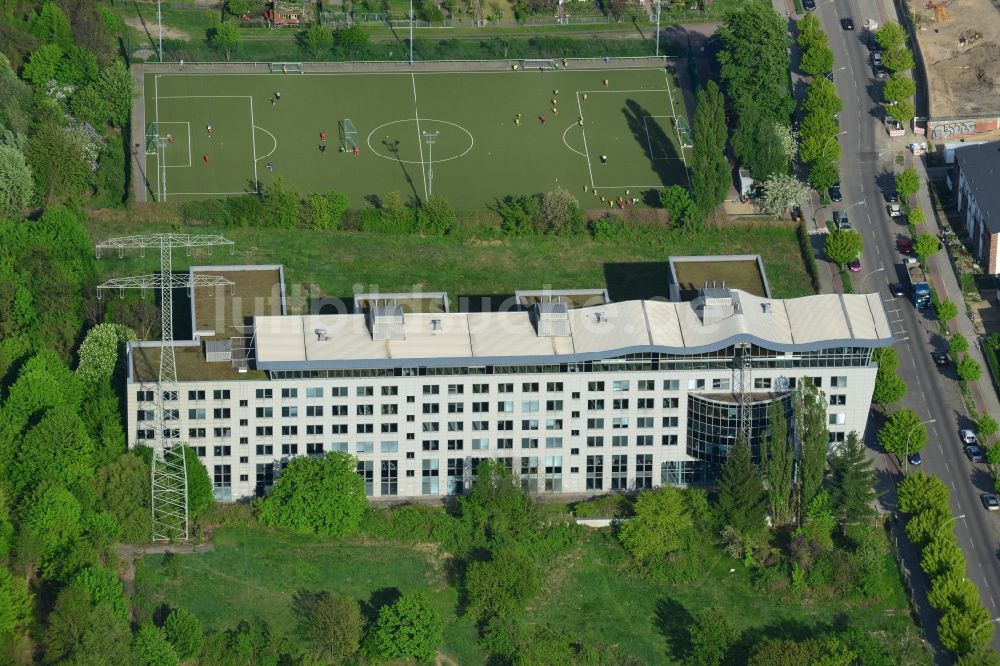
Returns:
<point x="866" y="171"/>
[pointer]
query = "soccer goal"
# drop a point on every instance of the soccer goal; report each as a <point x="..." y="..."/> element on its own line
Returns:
<point x="152" y="134"/>
<point x="684" y="132"/>
<point x="348" y="135"/>
<point x="287" y="68"/>
<point x="538" y="64"/>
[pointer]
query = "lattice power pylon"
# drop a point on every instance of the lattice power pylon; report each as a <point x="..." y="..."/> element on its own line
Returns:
<point x="169" y="472"/>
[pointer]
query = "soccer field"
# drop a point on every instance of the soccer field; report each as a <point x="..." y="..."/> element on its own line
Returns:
<point x="479" y="153"/>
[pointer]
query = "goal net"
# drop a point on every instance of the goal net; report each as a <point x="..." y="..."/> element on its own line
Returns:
<point x="287" y="68"/>
<point x="152" y="134"/>
<point x="348" y="135"/>
<point x="684" y="132"/>
<point x="538" y="64"/>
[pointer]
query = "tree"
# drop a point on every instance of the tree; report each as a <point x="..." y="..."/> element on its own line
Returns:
<point x="712" y="636"/>
<point x="946" y="310"/>
<point x="99" y="352"/>
<point x="334" y="624"/>
<point x="58" y="163"/>
<point x="501" y="586"/>
<point x="151" y="648"/>
<point x="898" y="88"/>
<point x="53" y="519"/>
<point x="843" y="245"/>
<point x="559" y="211"/>
<point x="224" y="37"/>
<point x="958" y="344"/>
<point x="84" y="633"/>
<point x="183" y="630"/>
<point x="677" y="201"/>
<point x="914" y="217"/>
<point x="710" y="176"/>
<point x="852" y="487"/>
<point x="351" y="41"/>
<point x="782" y="191"/>
<point x="407" y="629"/>
<point x="825" y="172"/>
<point x="661" y="525"/>
<point x="817" y="60"/>
<point x="115" y="87"/>
<point x="889" y="386"/>
<point x="17" y="187"/>
<point x="51" y="26"/>
<point x="968" y="369"/>
<point x="924" y="526"/>
<point x="758" y="146"/>
<point x="987" y="427"/>
<point x="436" y="216"/>
<point x="123" y="489"/>
<point x="324" y="496"/>
<point x="15" y="602"/>
<point x="898" y="60"/>
<point x="201" y="492"/>
<point x="907" y="183"/>
<point x="953" y="592"/>
<point x="103" y="587"/>
<point x="903" y="433"/>
<point x="777" y="458"/>
<point x="902" y="111"/>
<point x="810" y="32"/>
<point x="822" y="99"/>
<point x="925" y="245"/>
<point x="809" y="410"/>
<point x="741" y="493"/>
<point x="941" y="556"/>
<point x="964" y="630"/>
<point x="324" y="211"/>
<point x="919" y="492"/>
<point x="497" y="510"/>
<point x="890" y="35"/>
<point x="316" y="40"/>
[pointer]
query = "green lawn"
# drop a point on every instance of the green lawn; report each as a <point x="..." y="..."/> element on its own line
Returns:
<point x="591" y="592"/>
<point x="337" y="261"/>
<point x="480" y="153"/>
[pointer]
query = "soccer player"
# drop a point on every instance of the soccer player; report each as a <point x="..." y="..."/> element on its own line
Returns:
<point x="604" y="159"/>
<point x="356" y="151"/>
<point x="542" y="118"/>
<point x="322" y="136"/>
<point x="605" y="83"/>
<point x="270" y="166"/>
<point x="277" y="95"/>
<point x="555" y="102"/>
<point x="170" y="138"/>
<point x="209" y="128"/>
<point x="205" y="157"/>
<point x="584" y="97"/>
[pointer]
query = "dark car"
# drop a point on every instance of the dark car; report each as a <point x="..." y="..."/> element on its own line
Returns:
<point x="809" y="5"/>
<point x="847" y="23"/>
<point x="840" y="221"/>
<point x="897" y="289"/>
<point x="941" y="358"/>
<point x="990" y="502"/>
<point x="855" y="265"/>
<point x="914" y="459"/>
<point x="881" y="73"/>
<point x="835" y="194"/>
<point x="873" y="45"/>
<point x="904" y="244"/>
<point x="829" y="75"/>
<point x="891" y="197"/>
<point x="974" y="453"/>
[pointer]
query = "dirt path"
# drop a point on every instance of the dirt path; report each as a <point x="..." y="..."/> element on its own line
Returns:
<point x="153" y="30"/>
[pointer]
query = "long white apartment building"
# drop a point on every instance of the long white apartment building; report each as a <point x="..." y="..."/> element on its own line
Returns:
<point x="573" y="392"/>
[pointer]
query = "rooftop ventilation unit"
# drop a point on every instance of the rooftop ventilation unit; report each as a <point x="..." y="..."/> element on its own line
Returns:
<point x="386" y="322"/>
<point x="766" y="307"/>
<point x="600" y="317"/>
<point x="552" y="319"/>
<point x="436" y="325"/>
<point x="218" y="350"/>
<point x="321" y="335"/>
<point x="716" y="303"/>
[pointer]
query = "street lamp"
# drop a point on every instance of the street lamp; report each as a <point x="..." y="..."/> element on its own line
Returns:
<point x="983" y="624"/>
<point x="861" y="288"/>
<point x="857" y="203"/>
<point x="906" y="450"/>
<point x="948" y="522"/>
<point x="822" y="151"/>
<point x="411" y="33"/>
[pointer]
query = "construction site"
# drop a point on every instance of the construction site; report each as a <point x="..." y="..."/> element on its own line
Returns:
<point x="959" y="42"/>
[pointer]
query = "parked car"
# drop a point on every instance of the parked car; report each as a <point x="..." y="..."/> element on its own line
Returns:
<point x="881" y="73"/>
<point x="809" y="5"/>
<point x="873" y="44"/>
<point x="840" y="221"/>
<point x="904" y="244"/>
<point x="829" y="75"/>
<point x="876" y="58"/>
<point x="897" y="289"/>
<point x="968" y="437"/>
<point x="974" y="453"/>
<point x="990" y="502"/>
<point x="914" y="459"/>
<point x="847" y="23"/>
<point x="855" y="265"/>
<point x="941" y="358"/>
<point x="835" y="194"/>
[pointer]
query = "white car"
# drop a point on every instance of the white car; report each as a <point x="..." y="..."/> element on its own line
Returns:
<point x="968" y="437"/>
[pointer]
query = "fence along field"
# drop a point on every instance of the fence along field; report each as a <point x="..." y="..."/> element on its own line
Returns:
<point x="494" y="133"/>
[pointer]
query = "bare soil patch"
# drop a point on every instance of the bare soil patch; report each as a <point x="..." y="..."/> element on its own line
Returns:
<point x="168" y="32"/>
<point x="962" y="55"/>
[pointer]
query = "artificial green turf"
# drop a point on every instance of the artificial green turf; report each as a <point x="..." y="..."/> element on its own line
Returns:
<point x="480" y="152"/>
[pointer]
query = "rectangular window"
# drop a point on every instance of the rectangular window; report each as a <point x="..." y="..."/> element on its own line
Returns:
<point x="529" y="405"/>
<point x="314" y="391"/>
<point x="288" y="431"/>
<point x="505" y="406"/>
<point x="389" y="478"/>
<point x="338" y="410"/>
<point x="222" y="450"/>
<point x="145" y="415"/>
<point x="553" y="442"/>
<point x="264" y="394"/>
<point x="671" y="403"/>
<point x="430" y="445"/>
<point x="696" y="384"/>
<point x="222" y="482"/>
<point x="762" y="382"/>
<point x="595" y="472"/>
<point x="196" y="395"/>
<point x="597" y="403"/>
<point x="595" y="386"/>
<point x="456" y="444"/>
<point x="389" y="446"/>
<point x="529" y="387"/>
<point x="553" y="424"/>
<point x="265" y="478"/>
<point x="505" y="388"/>
<point x="619" y="440"/>
<point x="291" y="411"/>
<point x="554" y="387"/>
<point x="265" y="412"/>
<point x="644" y="470"/>
<point x="594" y="441"/>
<point x="619" y="472"/>
<point x="721" y="384"/>
<point x="529" y="443"/>
<point x="456" y="426"/>
<point x="838" y="399"/>
<point x="429" y="477"/>
<point x="314" y="429"/>
<point x="619" y="385"/>
<point x="553" y="473"/>
<point x="390" y="390"/>
<point x="646" y="403"/>
<point x="595" y="424"/>
<point x="431" y="389"/>
<point x="431" y="408"/>
<point x="196" y="414"/>
<point x="364" y="391"/>
<point x="670" y="421"/>
<point x="529" y="473"/>
<point x="554" y="405"/>
<point x="619" y="403"/>
<point x="838" y="382"/>
<point x="221" y="413"/>
<point x="671" y="384"/>
<point x="669" y="440"/>
<point x="265" y="431"/>
<point x="196" y="433"/>
<point x="837" y="419"/>
<point x="389" y="427"/>
<point x="289" y="449"/>
<point x="389" y="410"/>
<point x="366" y="468"/>
<point x="644" y="422"/>
<point x="339" y="446"/>
<point x="265" y="450"/>
<point x="430" y="426"/>
<point x="643" y="440"/>
<point x="505" y="425"/>
<point x="144" y="395"/>
<point x="480" y="388"/>
<point x="365" y="410"/>
<point x="455" y="389"/>
<point x="289" y="393"/>
<point x="364" y="447"/>
<point x="480" y="426"/>
<point x="619" y="422"/>
<point x="222" y="433"/>
<point x="314" y="448"/>
<point x="505" y="443"/>
<point x="456" y="476"/>
<point x="314" y="410"/>
<point x="480" y="444"/>
<point x="338" y="429"/>
<point x="529" y="424"/>
<point x="338" y="392"/>
<point x="456" y="408"/>
<point x="200" y="452"/>
<point x="647" y="385"/>
<point x="144" y="433"/>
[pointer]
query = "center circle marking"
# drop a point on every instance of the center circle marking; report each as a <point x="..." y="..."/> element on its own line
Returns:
<point x="372" y="148"/>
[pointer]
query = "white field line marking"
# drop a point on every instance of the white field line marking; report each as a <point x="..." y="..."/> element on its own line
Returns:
<point x="420" y="143"/>
<point x="156" y="102"/>
<point x="179" y="122"/>
<point x="677" y="130"/>
<point x="257" y="159"/>
<point x="199" y="194"/>
<point x="403" y="73"/>
<point x="565" y="143"/>
<point x="649" y="141"/>
<point x="253" y="140"/>
<point x="586" y="151"/>
<point x="205" y="96"/>
<point x="612" y="90"/>
<point x="633" y="186"/>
